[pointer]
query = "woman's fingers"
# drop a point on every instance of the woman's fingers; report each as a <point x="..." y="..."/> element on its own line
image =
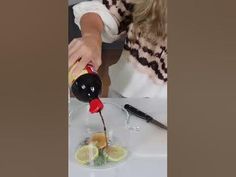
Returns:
<point x="97" y="63"/>
<point x="74" y="57"/>
<point x="72" y="43"/>
<point x="74" y="51"/>
<point x="74" y="46"/>
<point x="79" y="66"/>
<point x="82" y="51"/>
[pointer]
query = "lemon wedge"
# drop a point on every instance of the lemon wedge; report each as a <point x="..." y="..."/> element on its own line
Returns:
<point x="86" y="154"/>
<point x="115" y="153"/>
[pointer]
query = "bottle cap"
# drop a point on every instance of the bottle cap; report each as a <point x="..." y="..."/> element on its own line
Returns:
<point x="95" y="105"/>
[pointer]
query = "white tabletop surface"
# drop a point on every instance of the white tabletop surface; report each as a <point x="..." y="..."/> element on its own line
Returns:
<point x="148" y="159"/>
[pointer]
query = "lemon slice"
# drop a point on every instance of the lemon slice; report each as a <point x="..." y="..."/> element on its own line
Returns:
<point x="99" y="140"/>
<point x="115" y="153"/>
<point x="86" y="154"/>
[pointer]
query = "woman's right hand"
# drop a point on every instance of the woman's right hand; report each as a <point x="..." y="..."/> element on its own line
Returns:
<point x="82" y="51"/>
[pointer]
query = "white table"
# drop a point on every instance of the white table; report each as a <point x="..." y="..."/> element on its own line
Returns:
<point x="148" y="159"/>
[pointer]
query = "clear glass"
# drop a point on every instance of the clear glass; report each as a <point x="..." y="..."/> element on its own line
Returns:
<point x="86" y="134"/>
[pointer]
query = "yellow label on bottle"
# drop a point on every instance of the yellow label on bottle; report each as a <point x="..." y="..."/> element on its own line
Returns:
<point x="73" y="77"/>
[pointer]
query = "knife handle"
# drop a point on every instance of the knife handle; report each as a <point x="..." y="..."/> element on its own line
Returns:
<point x="137" y="112"/>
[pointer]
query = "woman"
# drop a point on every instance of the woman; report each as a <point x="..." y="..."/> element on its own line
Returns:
<point x="142" y="68"/>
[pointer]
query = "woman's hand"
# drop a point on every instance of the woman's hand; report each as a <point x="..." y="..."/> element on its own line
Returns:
<point x="84" y="50"/>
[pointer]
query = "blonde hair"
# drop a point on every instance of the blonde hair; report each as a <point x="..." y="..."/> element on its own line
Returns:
<point x="150" y="19"/>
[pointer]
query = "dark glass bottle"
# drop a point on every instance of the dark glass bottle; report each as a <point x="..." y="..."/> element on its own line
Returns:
<point x="86" y="87"/>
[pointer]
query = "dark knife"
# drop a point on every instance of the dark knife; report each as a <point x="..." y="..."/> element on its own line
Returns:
<point x="143" y="115"/>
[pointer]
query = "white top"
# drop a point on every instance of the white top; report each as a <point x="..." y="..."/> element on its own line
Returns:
<point x="129" y="82"/>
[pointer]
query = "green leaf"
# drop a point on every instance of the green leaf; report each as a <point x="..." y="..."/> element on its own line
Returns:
<point x="101" y="159"/>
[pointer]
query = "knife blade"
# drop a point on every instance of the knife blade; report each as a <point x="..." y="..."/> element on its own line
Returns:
<point x="144" y="116"/>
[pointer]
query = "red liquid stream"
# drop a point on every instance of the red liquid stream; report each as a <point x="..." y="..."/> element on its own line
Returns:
<point x="104" y="128"/>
